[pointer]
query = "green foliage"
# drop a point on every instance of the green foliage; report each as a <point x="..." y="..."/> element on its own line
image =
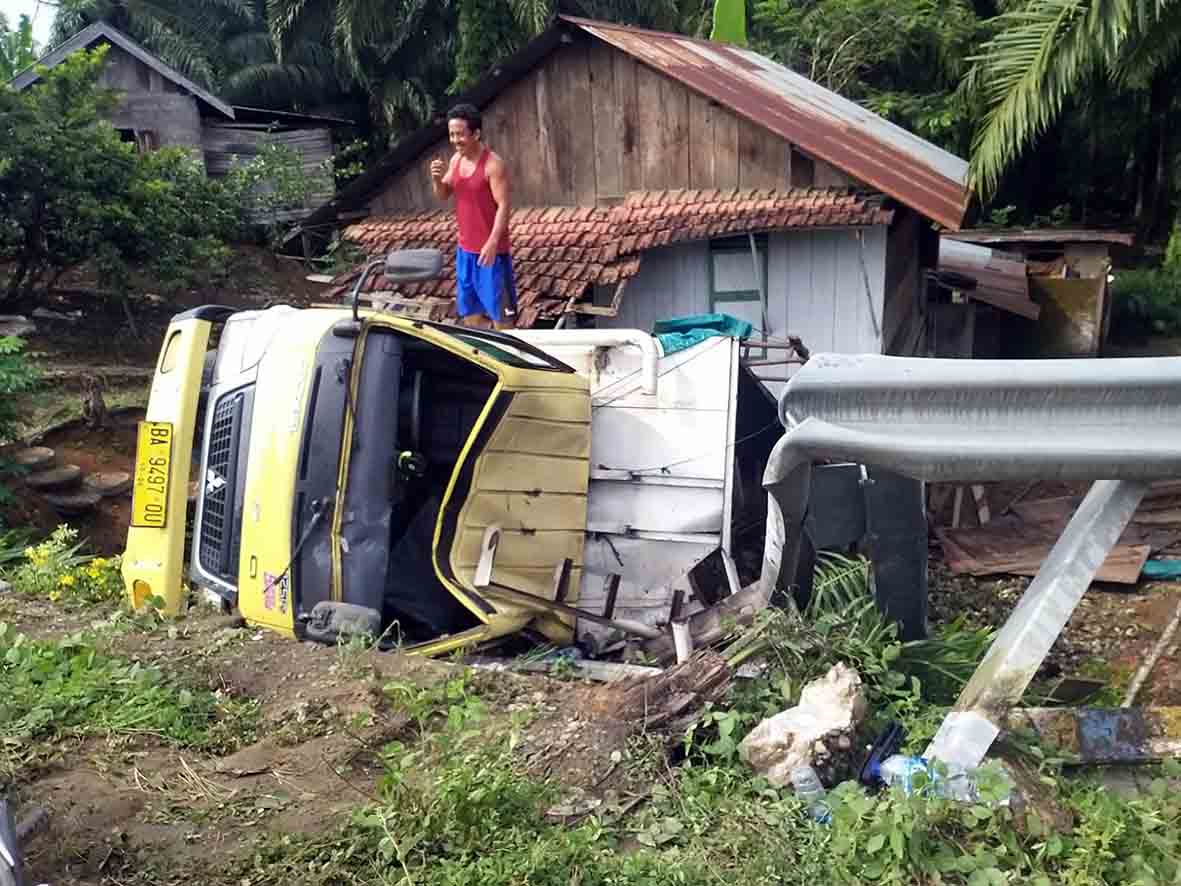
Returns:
<point x="1044" y="52"/>
<point x="487" y="31"/>
<point x="57" y="571"/>
<point x="67" y="688"/>
<point x="18" y="50"/>
<point x="17" y="376"/>
<point x="729" y="23"/>
<point x="1146" y="301"/>
<point x="71" y="191"/>
<point x="904" y="58"/>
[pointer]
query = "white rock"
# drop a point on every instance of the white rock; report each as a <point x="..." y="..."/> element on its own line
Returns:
<point x="5" y="587"/>
<point x="834" y="703"/>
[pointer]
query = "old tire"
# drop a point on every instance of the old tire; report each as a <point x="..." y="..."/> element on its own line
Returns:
<point x="74" y="503"/>
<point x="64" y="477"/>
<point x="108" y="484"/>
<point x="34" y="458"/>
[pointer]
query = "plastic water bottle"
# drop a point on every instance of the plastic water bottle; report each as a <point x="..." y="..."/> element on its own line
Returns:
<point x="953" y="783"/>
<point x="811" y="792"/>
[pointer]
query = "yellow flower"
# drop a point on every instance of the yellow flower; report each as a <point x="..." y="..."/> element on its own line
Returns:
<point x="92" y="572"/>
<point x="55" y="596"/>
<point x="31" y="553"/>
<point x="98" y="562"/>
<point x="66" y="581"/>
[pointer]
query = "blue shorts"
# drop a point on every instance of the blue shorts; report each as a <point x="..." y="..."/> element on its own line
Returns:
<point x="484" y="290"/>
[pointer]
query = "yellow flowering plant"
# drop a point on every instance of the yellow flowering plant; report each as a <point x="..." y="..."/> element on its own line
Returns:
<point x="56" y="569"/>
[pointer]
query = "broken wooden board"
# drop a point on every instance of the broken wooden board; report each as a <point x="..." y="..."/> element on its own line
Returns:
<point x="1010" y="546"/>
<point x="1105" y="735"/>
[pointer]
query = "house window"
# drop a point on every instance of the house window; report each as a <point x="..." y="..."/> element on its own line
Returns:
<point x="736" y="277"/>
<point x="144" y="139"/>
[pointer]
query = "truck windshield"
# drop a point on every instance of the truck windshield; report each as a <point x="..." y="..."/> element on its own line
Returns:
<point x="505" y="348"/>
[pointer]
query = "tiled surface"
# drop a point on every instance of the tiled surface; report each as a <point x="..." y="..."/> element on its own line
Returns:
<point x="561" y="252"/>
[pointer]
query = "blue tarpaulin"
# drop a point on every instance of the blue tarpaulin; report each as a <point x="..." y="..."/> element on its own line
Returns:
<point x="684" y="332"/>
<point x="1162" y="570"/>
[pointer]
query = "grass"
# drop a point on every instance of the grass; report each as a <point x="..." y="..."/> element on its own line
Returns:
<point x="52" y="404"/>
<point x="59" y="690"/>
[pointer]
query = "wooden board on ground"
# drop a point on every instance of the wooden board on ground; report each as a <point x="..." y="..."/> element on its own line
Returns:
<point x="1012" y="547"/>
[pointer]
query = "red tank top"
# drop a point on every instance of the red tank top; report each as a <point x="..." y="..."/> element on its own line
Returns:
<point x="475" y="208"/>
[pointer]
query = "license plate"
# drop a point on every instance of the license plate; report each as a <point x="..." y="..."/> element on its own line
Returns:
<point x="153" y="466"/>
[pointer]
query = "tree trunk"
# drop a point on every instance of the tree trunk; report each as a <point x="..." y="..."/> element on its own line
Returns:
<point x="1153" y="179"/>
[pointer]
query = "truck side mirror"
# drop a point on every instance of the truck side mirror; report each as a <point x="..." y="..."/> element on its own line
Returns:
<point x="413" y="265"/>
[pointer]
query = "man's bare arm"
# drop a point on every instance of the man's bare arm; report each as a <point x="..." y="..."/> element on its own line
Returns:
<point x="441" y="181"/>
<point x="499" y="184"/>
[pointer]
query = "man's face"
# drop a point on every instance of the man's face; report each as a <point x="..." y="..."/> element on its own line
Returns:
<point x="462" y="137"/>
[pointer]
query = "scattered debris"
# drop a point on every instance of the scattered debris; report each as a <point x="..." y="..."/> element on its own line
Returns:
<point x="1008" y="545"/>
<point x="16" y="324"/>
<point x="57" y="316"/>
<point x="820" y="731"/>
<point x="670" y="700"/>
<point x="1104" y="735"/>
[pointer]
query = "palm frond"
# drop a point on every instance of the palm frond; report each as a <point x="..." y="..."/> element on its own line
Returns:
<point x="1156" y="49"/>
<point x="532" y="15"/>
<point x="281" y="86"/>
<point x="839" y="582"/>
<point x="1042" y="52"/>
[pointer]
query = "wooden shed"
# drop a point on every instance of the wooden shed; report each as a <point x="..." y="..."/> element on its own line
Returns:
<point x="160" y="107"/>
<point x="659" y="175"/>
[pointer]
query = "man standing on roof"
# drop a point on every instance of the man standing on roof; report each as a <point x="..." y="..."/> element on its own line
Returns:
<point x="483" y="262"/>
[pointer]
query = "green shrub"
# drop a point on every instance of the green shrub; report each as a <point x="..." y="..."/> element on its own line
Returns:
<point x="1146" y="302"/>
<point x="17" y="376"/>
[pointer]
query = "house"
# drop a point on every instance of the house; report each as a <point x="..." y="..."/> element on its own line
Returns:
<point x="160" y="107"/>
<point x="1068" y="272"/>
<point x="657" y="175"/>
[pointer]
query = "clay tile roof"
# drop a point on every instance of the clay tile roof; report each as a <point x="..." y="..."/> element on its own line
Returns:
<point x="562" y="252"/>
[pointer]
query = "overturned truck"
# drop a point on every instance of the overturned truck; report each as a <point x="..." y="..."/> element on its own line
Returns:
<point x="440" y="486"/>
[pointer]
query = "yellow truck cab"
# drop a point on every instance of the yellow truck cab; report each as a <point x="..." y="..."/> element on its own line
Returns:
<point x="438" y="485"/>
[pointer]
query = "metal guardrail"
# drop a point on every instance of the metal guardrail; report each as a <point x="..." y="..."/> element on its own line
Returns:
<point x="1114" y="422"/>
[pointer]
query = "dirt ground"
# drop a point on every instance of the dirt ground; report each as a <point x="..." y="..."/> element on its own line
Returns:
<point x="132" y="811"/>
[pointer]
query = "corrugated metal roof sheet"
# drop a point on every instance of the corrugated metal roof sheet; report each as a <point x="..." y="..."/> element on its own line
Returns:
<point x="1044" y="235"/>
<point x="1001" y="279"/>
<point x="822" y="123"/>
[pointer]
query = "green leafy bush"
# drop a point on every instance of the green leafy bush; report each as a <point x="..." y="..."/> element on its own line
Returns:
<point x="17" y="376"/>
<point x="1146" y="302"/>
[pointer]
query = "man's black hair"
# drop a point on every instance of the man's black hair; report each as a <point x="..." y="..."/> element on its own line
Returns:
<point x="470" y="114"/>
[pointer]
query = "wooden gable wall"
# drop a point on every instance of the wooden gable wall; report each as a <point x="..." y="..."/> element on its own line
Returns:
<point x="590" y="124"/>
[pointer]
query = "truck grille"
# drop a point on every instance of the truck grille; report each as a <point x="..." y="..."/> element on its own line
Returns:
<point x="218" y="538"/>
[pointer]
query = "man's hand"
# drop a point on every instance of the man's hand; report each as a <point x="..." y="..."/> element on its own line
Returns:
<point x="438" y="170"/>
<point x="488" y="253"/>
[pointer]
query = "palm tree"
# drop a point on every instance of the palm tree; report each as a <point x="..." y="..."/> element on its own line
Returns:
<point x="183" y="33"/>
<point x="1044" y="54"/>
<point x="17" y="48"/>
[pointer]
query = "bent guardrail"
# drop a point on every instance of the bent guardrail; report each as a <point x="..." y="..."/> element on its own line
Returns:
<point x="1116" y="423"/>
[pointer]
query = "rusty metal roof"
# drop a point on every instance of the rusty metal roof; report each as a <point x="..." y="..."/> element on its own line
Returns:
<point x="817" y="120"/>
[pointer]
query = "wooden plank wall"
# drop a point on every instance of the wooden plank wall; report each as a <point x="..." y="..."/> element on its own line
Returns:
<point x="902" y="322"/>
<point x="591" y="124"/>
<point x="223" y="144"/>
